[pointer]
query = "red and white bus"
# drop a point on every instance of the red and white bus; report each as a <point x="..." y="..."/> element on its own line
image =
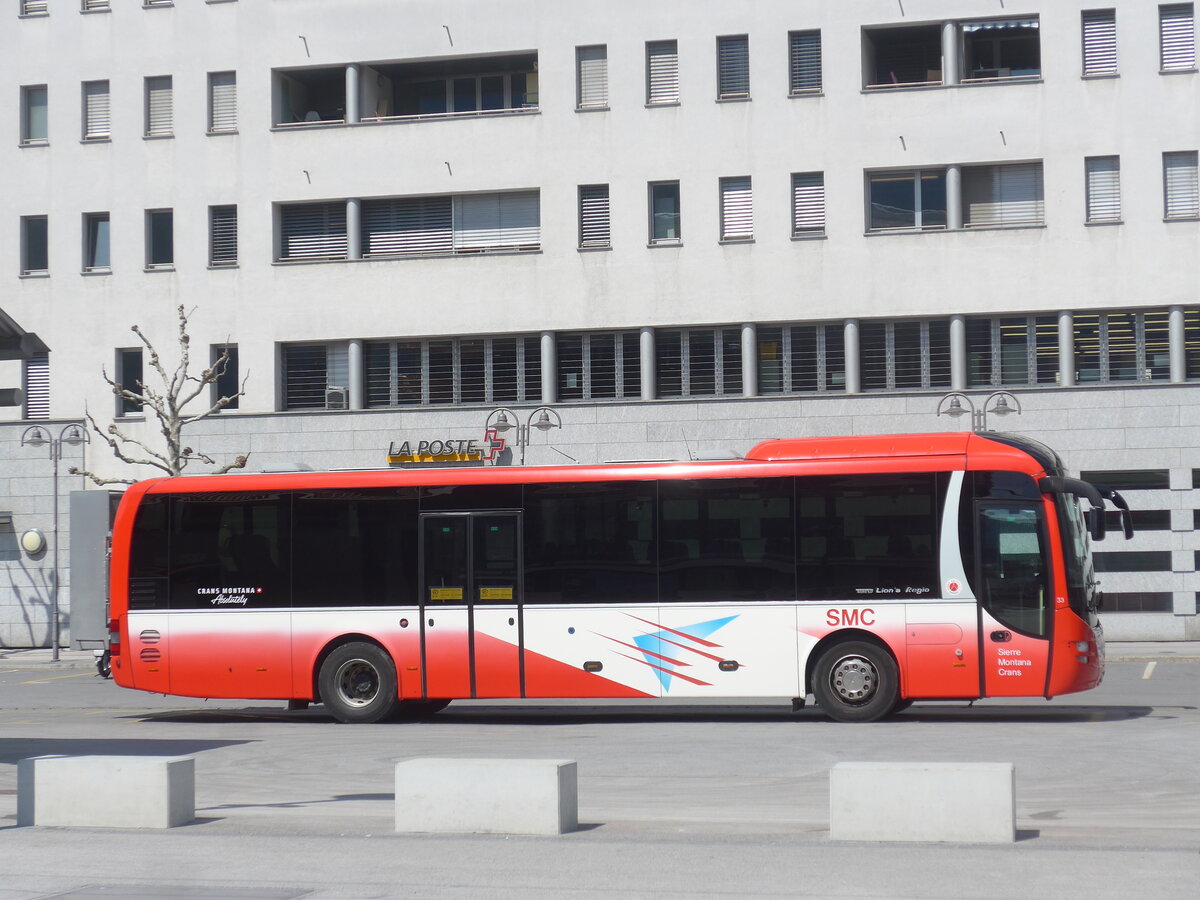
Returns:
<point x="868" y="572"/>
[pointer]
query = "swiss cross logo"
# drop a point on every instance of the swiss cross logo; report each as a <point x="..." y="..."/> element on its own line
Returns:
<point x="494" y="442"/>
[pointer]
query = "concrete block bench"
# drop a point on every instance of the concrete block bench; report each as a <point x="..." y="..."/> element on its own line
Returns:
<point x="106" y="791"/>
<point x="486" y="796"/>
<point x="899" y="801"/>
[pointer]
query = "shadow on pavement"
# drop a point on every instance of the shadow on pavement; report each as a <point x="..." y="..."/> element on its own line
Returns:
<point x="14" y="749"/>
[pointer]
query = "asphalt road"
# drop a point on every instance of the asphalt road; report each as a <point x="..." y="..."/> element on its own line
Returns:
<point x="676" y="799"/>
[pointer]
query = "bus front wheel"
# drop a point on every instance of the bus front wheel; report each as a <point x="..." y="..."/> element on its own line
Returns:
<point x="856" y="681"/>
<point x="357" y="683"/>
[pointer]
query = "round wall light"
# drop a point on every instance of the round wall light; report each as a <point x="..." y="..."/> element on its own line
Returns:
<point x="33" y="541"/>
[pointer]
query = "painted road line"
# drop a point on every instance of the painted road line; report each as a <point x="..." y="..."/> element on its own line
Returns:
<point x="1149" y="673"/>
<point x="59" y="678"/>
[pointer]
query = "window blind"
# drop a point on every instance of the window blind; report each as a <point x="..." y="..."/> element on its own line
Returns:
<point x="1180" y="184"/>
<point x="222" y="101"/>
<point x="494" y="221"/>
<point x="594" y="226"/>
<point x="662" y="72"/>
<point x="35" y="7"/>
<point x="224" y="237"/>
<point x="1003" y="195"/>
<point x="592" y="68"/>
<point x="804" y="61"/>
<point x="737" y="209"/>
<point x="96" y="111"/>
<point x="808" y="203"/>
<point x="407" y="225"/>
<point x="733" y="67"/>
<point x="313" y="231"/>
<point x="1177" y="36"/>
<point x="1099" y="42"/>
<point x="1103" y="188"/>
<point x="37" y="386"/>
<point x="159" y="105"/>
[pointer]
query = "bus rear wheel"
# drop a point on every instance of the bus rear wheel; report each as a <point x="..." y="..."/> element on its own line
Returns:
<point x="856" y="681"/>
<point x="357" y="683"/>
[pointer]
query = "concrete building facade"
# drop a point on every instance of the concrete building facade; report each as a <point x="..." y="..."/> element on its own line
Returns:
<point x="683" y="230"/>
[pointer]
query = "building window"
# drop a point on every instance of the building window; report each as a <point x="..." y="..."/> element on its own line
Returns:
<point x="222" y="102"/>
<point x="1012" y="351"/>
<point x="1117" y="347"/>
<point x="591" y="77"/>
<point x="1103" y="188"/>
<point x="906" y="55"/>
<point x="95" y="242"/>
<point x="1181" y="189"/>
<point x="804" y="62"/>
<point x="1131" y="479"/>
<point x="908" y="200"/>
<point x="95" y="111"/>
<point x="35" y="246"/>
<point x="160" y="239"/>
<point x="698" y="362"/>
<point x="662" y="72"/>
<point x="1133" y="561"/>
<point x="35" y="7"/>
<point x="594" y="224"/>
<point x="222" y="236"/>
<point x="36" y="381"/>
<point x="808" y="204"/>
<point x="316" y="376"/>
<point x="129" y="377"/>
<point x="1000" y="49"/>
<point x="150" y="3"/>
<point x="801" y="359"/>
<point x="445" y="371"/>
<point x="1177" y="37"/>
<point x="33" y="115"/>
<point x="599" y="366"/>
<point x="227" y="383"/>
<point x="1138" y="601"/>
<point x="733" y="68"/>
<point x="1191" y="344"/>
<point x="467" y="223"/>
<point x="160" y="107"/>
<point x="312" y="231"/>
<point x="737" y="209"/>
<point x="664" y="212"/>
<point x="1003" y="195"/>
<point x="95" y="5"/>
<point x="900" y="356"/>
<point x="1099" y="28"/>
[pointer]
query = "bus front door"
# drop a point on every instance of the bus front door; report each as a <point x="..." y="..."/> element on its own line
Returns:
<point x="1015" y="612"/>
<point x="470" y="614"/>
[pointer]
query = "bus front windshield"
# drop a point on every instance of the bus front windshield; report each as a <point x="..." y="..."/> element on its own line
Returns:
<point x="1081" y="578"/>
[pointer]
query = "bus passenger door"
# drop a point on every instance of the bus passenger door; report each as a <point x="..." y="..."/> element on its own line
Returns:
<point x="445" y="639"/>
<point x="1015" y="589"/>
<point x="494" y="604"/>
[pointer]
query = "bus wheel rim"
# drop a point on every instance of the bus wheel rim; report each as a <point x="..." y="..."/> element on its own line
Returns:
<point x="854" y="679"/>
<point x="357" y="682"/>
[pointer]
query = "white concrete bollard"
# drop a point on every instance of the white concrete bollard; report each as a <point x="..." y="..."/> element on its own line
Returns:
<point x="487" y="796"/>
<point x="899" y="801"/>
<point x="106" y="791"/>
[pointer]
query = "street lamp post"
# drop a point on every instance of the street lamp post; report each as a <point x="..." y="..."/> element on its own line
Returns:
<point x="997" y="402"/>
<point x="504" y="420"/>
<point x="37" y="436"/>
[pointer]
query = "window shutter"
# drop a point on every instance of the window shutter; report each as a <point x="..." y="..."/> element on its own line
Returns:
<point x="159" y="105"/>
<point x="592" y="65"/>
<point x="96" y="109"/>
<point x="37" y="386"/>
<point x="496" y="221"/>
<point x="305" y="376"/>
<point x="662" y="63"/>
<point x="1099" y="42"/>
<point x="594" y="230"/>
<point x="733" y="67"/>
<point x="804" y="61"/>
<point x="808" y="203"/>
<point x="406" y="225"/>
<point x="1181" y="185"/>
<point x="737" y="209"/>
<point x="224" y="237"/>
<point x="313" y="231"/>
<point x="95" y="4"/>
<point x="1103" y="188"/>
<point x="1177" y="36"/>
<point x="222" y="101"/>
<point x="35" y="7"/>
<point x="1004" y="195"/>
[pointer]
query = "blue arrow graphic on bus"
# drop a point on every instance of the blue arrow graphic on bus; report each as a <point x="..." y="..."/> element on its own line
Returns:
<point x="661" y="648"/>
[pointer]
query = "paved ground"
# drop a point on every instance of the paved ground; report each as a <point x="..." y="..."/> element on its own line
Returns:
<point x="678" y="799"/>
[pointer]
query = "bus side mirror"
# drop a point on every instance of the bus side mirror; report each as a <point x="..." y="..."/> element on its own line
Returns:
<point x="1095" y="523"/>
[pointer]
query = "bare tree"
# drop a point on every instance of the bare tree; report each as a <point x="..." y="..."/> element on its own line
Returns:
<point x="179" y="389"/>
